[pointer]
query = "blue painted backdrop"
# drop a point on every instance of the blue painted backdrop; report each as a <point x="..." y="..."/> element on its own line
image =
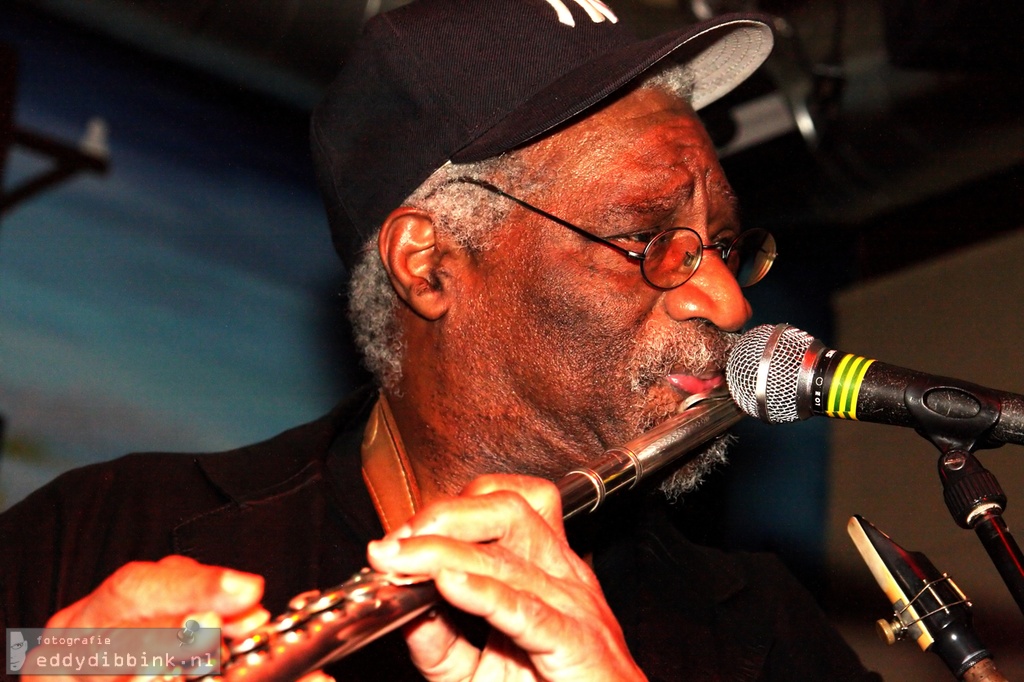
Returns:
<point x="180" y="301"/>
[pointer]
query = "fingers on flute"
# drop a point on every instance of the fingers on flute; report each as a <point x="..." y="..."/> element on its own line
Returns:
<point x="484" y="510"/>
<point x="500" y="518"/>
<point x="584" y="643"/>
<point x="519" y="566"/>
<point x="476" y="575"/>
<point x="438" y="650"/>
<point x="541" y="495"/>
<point x="154" y="592"/>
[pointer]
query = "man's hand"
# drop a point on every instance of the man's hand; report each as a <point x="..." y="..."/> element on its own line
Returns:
<point x="499" y="551"/>
<point x="165" y="594"/>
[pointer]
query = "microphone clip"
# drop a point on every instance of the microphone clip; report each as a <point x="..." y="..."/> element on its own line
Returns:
<point x="952" y="414"/>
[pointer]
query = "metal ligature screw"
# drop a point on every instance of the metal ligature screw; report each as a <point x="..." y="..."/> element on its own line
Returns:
<point x="890" y="632"/>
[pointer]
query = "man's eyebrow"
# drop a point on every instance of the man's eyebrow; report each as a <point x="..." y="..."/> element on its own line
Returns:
<point x="725" y="189"/>
<point x="630" y="212"/>
<point x="633" y="211"/>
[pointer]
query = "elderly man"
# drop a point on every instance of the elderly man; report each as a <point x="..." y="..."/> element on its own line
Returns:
<point x="546" y="261"/>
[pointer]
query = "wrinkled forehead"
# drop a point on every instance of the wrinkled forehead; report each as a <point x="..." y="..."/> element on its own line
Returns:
<point x="647" y="146"/>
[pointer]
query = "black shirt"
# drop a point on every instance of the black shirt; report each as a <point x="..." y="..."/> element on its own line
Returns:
<point x="294" y="509"/>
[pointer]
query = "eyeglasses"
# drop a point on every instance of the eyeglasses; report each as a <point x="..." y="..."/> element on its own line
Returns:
<point x="671" y="257"/>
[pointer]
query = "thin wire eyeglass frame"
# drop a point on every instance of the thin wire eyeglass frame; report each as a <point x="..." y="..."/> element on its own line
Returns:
<point x="762" y="238"/>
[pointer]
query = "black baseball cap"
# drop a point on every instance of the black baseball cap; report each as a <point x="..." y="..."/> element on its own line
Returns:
<point x="464" y="80"/>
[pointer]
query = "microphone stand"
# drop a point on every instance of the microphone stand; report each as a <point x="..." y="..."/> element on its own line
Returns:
<point x="976" y="501"/>
<point x="972" y="494"/>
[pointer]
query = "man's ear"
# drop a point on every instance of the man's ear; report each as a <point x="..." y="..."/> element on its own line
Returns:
<point x="412" y="257"/>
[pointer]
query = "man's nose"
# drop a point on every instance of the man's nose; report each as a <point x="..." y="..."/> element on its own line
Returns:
<point x="712" y="294"/>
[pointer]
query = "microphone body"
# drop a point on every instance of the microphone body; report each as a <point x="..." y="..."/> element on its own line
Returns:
<point x="781" y="374"/>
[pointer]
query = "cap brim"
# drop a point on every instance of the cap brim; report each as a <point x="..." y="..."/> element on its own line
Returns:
<point x="721" y="54"/>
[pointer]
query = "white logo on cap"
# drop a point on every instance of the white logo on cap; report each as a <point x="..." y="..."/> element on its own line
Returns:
<point x="595" y="9"/>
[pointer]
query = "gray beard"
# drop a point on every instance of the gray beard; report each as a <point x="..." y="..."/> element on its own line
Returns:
<point x="694" y="348"/>
<point x="691" y="474"/>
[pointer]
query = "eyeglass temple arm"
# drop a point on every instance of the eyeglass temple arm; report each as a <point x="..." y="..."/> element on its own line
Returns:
<point x="564" y="223"/>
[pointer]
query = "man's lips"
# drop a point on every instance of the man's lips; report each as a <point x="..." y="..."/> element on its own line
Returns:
<point x="688" y="384"/>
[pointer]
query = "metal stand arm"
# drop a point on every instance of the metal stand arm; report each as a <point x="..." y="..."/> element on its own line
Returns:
<point x="973" y="495"/>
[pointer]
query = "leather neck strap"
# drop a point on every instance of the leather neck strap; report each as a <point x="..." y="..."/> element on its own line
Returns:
<point x="386" y="469"/>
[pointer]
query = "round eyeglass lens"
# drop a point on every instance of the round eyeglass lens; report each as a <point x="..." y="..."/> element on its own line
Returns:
<point x="672" y="257"/>
<point x="751" y="256"/>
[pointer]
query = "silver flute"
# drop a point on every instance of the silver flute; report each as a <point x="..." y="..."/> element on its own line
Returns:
<point x="324" y="626"/>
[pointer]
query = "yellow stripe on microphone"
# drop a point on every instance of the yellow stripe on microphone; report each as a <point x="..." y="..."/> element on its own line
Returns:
<point x="845" y="388"/>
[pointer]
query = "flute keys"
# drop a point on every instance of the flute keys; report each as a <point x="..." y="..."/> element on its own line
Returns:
<point x="300" y="601"/>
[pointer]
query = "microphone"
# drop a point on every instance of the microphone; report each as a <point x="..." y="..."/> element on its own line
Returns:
<point x="782" y="374"/>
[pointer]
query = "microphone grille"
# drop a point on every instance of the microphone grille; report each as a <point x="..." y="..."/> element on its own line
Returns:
<point x="768" y="356"/>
